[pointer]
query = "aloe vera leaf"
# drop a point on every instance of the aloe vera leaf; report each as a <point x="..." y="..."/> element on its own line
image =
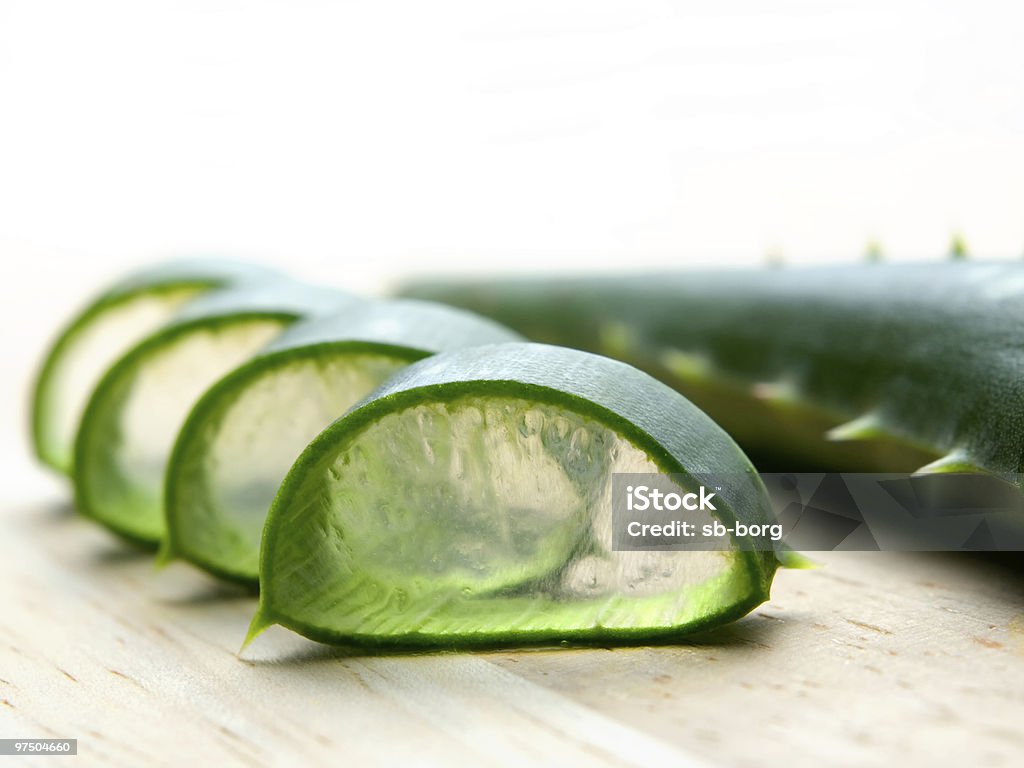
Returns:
<point x="134" y="414"/>
<point x="108" y="326"/>
<point x="441" y="511"/>
<point x="246" y="431"/>
<point x="871" y="367"/>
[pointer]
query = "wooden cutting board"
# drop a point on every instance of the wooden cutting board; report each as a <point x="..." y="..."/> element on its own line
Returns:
<point x="874" y="659"/>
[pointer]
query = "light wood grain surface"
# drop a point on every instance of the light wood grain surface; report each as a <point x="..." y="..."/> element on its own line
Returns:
<point x="874" y="659"/>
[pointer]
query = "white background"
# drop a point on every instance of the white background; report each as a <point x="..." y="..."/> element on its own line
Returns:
<point x="357" y="142"/>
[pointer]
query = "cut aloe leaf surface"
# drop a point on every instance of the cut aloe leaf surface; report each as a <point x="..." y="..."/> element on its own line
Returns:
<point x="468" y="501"/>
<point x="872" y="367"/>
<point x="135" y="412"/>
<point x="105" y="329"/>
<point x="246" y="431"/>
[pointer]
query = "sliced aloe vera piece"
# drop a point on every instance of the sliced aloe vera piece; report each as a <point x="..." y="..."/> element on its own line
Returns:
<point x="246" y="431"/>
<point x="109" y="326"/>
<point x="468" y="501"/>
<point x="130" y="423"/>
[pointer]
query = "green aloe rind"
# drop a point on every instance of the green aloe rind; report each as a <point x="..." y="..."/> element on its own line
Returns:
<point x="869" y="367"/>
<point x="245" y="432"/>
<point x="108" y="326"/>
<point x="134" y="413"/>
<point x="467" y="501"/>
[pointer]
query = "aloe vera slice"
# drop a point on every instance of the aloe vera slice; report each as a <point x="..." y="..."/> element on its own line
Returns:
<point x="245" y="432"/>
<point x="467" y="501"/>
<point x="123" y="315"/>
<point x="134" y="414"/>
